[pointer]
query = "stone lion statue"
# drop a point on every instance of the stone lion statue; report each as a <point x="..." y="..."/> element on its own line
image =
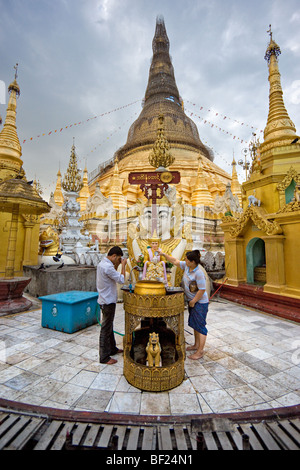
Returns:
<point x="49" y="242"/>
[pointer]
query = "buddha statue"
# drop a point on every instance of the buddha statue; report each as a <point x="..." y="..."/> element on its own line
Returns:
<point x="174" y="237"/>
<point x="154" y="265"/>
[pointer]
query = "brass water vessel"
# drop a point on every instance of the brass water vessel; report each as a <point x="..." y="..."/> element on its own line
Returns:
<point x="149" y="288"/>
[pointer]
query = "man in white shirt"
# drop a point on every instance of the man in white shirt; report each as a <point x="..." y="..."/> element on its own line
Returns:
<point x="107" y="279"/>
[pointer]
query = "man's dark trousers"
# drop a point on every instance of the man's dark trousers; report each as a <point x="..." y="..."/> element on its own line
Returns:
<point x="107" y="342"/>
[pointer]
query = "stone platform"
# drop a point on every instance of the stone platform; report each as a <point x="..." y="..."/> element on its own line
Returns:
<point x="52" y="280"/>
<point x="255" y="297"/>
<point x="251" y="363"/>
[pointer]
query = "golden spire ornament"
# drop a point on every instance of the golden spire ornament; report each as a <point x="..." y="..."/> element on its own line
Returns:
<point x="72" y="181"/>
<point x="10" y="148"/>
<point x="160" y="156"/>
<point x="280" y="130"/>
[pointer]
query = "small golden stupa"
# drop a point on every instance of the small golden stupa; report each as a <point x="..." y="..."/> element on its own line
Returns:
<point x="58" y="194"/>
<point x="262" y="245"/>
<point x="20" y="208"/>
<point x="84" y="193"/>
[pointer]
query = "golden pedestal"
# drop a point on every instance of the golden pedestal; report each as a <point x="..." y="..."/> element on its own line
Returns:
<point x="162" y="313"/>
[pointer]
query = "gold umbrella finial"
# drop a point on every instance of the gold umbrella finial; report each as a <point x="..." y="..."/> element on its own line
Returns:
<point x="270" y="32"/>
<point x="273" y="48"/>
<point x="16" y="71"/>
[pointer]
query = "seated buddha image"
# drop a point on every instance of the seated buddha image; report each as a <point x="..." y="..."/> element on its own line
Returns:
<point x="154" y="266"/>
<point x="173" y="237"/>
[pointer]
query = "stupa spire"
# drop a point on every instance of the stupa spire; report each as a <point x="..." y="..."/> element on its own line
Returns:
<point x="10" y="148"/>
<point x="280" y="130"/>
<point x="162" y="97"/>
<point x="161" y="75"/>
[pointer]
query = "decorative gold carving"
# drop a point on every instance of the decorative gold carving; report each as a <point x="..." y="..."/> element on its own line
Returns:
<point x="160" y="155"/>
<point x="228" y="219"/>
<point x="31" y="218"/>
<point x="153" y="305"/>
<point x="292" y="174"/>
<point x="293" y="206"/>
<point x="170" y="308"/>
<point x="173" y="323"/>
<point x="259" y="219"/>
<point x="154" y="379"/>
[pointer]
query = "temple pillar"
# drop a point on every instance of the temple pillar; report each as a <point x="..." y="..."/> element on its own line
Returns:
<point x="275" y="265"/>
<point x="235" y="261"/>
<point x="27" y="255"/>
<point x="12" y="242"/>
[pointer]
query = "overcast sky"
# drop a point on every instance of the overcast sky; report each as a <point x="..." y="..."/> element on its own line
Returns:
<point x="84" y="59"/>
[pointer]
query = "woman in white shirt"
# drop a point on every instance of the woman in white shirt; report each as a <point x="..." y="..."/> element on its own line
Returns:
<point x="194" y="284"/>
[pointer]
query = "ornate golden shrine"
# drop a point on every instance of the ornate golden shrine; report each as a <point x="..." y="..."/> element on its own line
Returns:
<point x="144" y="314"/>
<point x="262" y="244"/>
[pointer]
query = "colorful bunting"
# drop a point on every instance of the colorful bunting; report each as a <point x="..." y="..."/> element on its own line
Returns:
<point x="205" y="121"/>
<point x="81" y="122"/>
<point x="114" y="132"/>
<point x="225" y="117"/>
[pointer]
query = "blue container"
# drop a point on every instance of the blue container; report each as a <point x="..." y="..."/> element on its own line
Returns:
<point x="69" y="311"/>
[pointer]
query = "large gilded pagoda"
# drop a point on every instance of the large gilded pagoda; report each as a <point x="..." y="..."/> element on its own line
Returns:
<point x="162" y="97"/>
<point x="201" y="179"/>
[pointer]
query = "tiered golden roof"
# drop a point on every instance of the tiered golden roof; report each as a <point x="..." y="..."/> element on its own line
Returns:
<point x="20" y="192"/>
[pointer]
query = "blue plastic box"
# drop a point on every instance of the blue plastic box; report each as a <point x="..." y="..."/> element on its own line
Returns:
<point x="69" y="311"/>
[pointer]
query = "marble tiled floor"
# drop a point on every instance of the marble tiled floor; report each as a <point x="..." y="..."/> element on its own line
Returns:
<point x="251" y="362"/>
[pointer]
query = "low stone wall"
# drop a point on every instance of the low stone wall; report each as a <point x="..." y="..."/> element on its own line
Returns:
<point x="52" y="280"/>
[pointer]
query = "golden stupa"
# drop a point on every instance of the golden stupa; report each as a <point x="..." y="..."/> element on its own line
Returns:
<point x="162" y="99"/>
<point x="84" y="193"/>
<point x="20" y="210"/>
<point x="58" y="194"/>
<point x="262" y="245"/>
